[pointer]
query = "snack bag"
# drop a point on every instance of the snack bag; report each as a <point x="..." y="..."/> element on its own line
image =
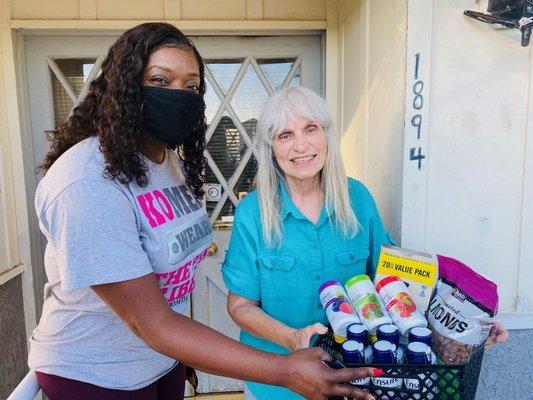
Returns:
<point x="461" y="311"/>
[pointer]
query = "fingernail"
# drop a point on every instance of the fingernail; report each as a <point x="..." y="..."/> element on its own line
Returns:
<point x="377" y="372"/>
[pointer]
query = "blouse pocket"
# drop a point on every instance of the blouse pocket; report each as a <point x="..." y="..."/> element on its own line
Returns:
<point x="278" y="277"/>
<point x="351" y="263"/>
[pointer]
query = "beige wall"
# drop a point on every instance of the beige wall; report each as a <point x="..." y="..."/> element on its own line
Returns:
<point x="372" y="53"/>
<point x="310" y="10"/>
<point x="9" y="256"/>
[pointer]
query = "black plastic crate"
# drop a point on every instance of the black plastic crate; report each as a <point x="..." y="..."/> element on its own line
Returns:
<point x="424" y="382"/>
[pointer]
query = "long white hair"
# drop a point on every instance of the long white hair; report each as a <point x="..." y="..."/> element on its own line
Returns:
<point x="279" y="109"/>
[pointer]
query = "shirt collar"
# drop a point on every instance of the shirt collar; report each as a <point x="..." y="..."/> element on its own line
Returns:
<point x="288" y="207"/>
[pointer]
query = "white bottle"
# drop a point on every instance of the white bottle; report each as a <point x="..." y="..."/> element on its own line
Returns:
<point x="400" y="305"/>
<point x="339" y="310"/>
<point x="366" y="302"/>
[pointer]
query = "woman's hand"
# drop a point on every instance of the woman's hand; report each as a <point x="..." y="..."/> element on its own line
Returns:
<point x="300" y="338"/>
<point x="498" y="334"/>
<point x="309" y="375"/>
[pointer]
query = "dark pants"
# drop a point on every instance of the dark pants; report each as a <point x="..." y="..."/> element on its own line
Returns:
<point x="169" y="387"/>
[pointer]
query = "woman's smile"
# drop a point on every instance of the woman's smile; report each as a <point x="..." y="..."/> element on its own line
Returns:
<point x="303" y="161"/>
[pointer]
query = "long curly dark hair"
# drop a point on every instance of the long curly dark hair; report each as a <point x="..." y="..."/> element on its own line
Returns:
<point x="112" y="110"/>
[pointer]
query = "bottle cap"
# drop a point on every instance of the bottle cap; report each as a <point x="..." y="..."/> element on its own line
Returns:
<point x="339" y="339"/>
<point x="357" y="278"/>
<point x="353" y="352"/>
<point x="419" y="334"/>
<point x="328" y="283"/>
<point x="386" y="281"/>
<point x="358" y="332"/>
<point x="384" y="352"/>
<point x="389" y="332"/>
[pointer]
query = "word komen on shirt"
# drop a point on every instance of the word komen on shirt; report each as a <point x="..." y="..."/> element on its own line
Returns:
<point x="101" y="231"/>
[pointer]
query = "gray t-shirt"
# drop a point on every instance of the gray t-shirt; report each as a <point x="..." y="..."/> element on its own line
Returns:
<point x="101" y="231"/>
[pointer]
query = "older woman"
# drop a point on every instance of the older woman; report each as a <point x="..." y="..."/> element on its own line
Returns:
<point x="315" y="225"/>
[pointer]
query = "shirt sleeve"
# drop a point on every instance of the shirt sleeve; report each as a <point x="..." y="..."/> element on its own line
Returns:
<point x="240" y="269"/>
<point x="93" y="236"/>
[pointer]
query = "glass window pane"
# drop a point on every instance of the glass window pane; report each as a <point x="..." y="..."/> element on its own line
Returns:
<point x="250" y="97"/>
<point x="226" y="146"/>
<point x="62" y="101"/>
<point x="76" y="71"/>
<point x="224" y="220"/>
<point x="276" y="70"/>
<point x="212" y="102"/>
<point x="245" y="184"/>
<point x="224" y="71"/>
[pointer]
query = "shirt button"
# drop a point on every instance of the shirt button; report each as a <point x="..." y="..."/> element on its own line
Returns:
<point x="314" y="246"/>
<point x="318" y="277"/>
<point x="319" y="305"/>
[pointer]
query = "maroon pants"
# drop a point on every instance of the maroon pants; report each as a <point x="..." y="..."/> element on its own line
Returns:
<point x="169" y="387"/>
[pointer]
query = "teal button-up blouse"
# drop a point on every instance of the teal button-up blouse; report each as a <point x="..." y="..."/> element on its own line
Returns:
<point x="285" y="279"/>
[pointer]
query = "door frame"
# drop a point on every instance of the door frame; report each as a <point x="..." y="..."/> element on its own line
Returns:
<point x="22" y="148"/>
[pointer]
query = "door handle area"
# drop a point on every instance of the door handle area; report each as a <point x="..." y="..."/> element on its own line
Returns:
<point x="212" y="249"/>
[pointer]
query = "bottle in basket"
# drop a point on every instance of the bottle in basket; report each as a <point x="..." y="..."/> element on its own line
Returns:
<point x="384" y="352"/>
<point x="353" y="354"/>
<point x="419" y="353"/>
<point x="366" y="302"/>
<point x="391" y="333"/>
<point x="400" y="305"/>
<point x="359" y="333"/>
<point x="419" y="334"/>
<point x="339" y="310"/>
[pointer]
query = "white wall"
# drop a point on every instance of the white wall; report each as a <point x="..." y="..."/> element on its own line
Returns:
<point x="478" y="168"/>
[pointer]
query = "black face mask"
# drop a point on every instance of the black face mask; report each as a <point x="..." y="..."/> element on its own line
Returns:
<point x="170" y="114"/>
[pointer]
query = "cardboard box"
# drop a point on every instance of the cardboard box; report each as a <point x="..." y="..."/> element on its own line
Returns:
<point x="418" y="270"/>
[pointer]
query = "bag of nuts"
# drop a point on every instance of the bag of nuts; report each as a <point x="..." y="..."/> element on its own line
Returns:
<point x="461" y="311"/>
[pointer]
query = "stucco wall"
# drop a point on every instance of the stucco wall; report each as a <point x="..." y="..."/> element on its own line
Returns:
<point x="13" y="349"/>
<point x="372" y="75"/>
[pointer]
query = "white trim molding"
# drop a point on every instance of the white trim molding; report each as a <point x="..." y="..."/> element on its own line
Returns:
<point x="9" y="274"/>
<point x="516" y="320"/>
<point x="416" y="127"/>
<point x="189" y="27"/>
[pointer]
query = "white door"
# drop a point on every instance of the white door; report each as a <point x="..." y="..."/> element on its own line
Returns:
<point x="241" y="73"/>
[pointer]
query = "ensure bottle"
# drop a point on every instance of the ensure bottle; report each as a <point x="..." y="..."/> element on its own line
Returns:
<point x="400" y="304"/>
<point x="359" y="333"/>
<point x="339" y="310"/>
<point x="391" y="333"/>
<point x="419" y="334"/>
<point x="420" y="353"/>
<point x="384" y="352"/>
<point x="353" y="354"/>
